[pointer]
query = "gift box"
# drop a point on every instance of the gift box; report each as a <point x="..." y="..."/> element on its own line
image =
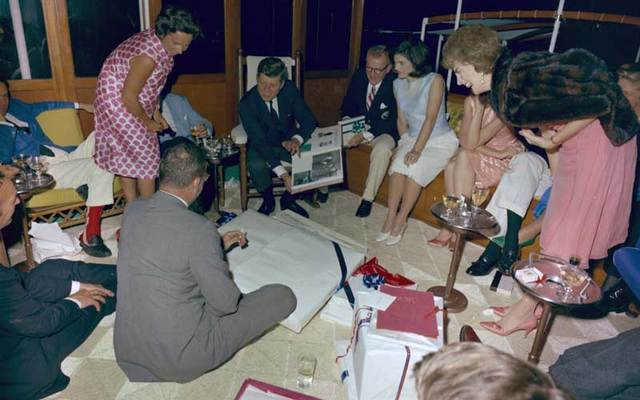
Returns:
<point x="378" y="361"/>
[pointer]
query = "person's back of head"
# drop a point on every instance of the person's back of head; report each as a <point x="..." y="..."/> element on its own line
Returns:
<point x="181" y="163"/>
<point x="174" y="18"/>
<point x="474" y="371"/>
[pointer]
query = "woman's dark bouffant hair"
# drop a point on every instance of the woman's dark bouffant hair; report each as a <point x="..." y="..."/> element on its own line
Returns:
<point x="418" y="54"/>
<point x="173" y="19"/>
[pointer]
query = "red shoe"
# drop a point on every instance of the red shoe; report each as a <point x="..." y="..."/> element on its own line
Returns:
<point x="499" y="311"/>
<point x="526" y="326"/>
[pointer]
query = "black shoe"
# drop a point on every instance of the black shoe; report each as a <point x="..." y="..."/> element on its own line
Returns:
<point x="288" y="203"/>
<point x="364" y="209"/>
<point x="616" y="299"/>
<point x="481" y="267"/>
<point x="506" y="261"/>
<point x="83" y="191"/>
<point x="311" y="200"/>
<point x="467" y="334"/>
<point x="95" y="247"/>
<point x="322" y="197"/>
<point x="267" y="206"/>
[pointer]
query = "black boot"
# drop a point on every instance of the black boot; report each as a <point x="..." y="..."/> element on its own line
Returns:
<point x="483" y="265"/>
<point x="288" y="202"/>
<point x="616" y="299"/>
<point x="268" y="202"/>
<point x="511" y="248"/>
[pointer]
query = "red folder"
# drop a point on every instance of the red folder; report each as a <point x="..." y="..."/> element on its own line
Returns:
<point x="268" y="388"/>
<point x="412" y="311"/>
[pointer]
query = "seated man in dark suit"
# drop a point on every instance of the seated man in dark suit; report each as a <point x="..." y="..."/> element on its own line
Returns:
<point x="370" y="93"/>
<point x="45" y="315"/>
<point x="179" y="312"/>
<point x="269" y="113"/>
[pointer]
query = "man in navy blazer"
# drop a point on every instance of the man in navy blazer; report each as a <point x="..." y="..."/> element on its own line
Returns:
<point x="45" y="315"/>
<point x="277" y="122"/>
<point x="370" y="93"/>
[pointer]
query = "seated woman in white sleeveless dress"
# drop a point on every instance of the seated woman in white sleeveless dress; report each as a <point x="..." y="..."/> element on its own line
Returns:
<point x="426" y="141"/>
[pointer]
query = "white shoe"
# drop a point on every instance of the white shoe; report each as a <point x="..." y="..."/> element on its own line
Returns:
<point x="395" y="239"/>
<point x="382" y="236"/>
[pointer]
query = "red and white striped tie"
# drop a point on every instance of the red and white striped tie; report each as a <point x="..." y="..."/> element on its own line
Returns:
<point x="370" y="97"/>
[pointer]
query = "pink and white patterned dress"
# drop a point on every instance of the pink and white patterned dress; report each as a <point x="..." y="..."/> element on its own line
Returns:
<point x="124" y="146"/>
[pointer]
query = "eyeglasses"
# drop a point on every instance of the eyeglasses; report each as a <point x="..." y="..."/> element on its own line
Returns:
<point x="377" y="70"/>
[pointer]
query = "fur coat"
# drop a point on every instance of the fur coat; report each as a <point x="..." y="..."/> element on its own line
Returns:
<point x="535" y="88"/>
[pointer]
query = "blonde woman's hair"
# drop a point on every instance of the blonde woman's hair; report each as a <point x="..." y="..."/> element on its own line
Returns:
<point x="475" y="371"/>
<point x="472" y="44"/>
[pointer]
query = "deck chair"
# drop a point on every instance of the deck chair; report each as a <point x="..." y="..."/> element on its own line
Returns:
<point x="247" y="68"/>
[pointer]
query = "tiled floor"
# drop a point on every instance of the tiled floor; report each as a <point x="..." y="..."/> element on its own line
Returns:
<point x="272" y="358"/>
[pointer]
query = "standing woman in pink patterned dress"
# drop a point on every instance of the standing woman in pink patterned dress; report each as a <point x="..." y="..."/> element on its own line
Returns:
<point x="127" y="112"/>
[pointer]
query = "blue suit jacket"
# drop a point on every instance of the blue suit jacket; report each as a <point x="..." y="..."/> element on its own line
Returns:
<point x="262" y="132"/>
<point x="184" y="116"/>
<point x="18" y="141"/>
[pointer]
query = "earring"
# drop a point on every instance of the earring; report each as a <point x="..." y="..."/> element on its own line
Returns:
<point x="482" y="78"/>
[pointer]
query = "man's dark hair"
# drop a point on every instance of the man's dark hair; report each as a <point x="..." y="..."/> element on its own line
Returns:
<point x="175" y="18"/>
<point x="418" y="54"/>
<point x="182" y="162"/>
<point x="272" y="67"/>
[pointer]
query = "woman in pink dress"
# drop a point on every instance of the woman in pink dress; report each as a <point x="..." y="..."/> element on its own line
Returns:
<point x="486" y="147"/>
<point x="127" y="115"/>
<point x="589" y="207"/>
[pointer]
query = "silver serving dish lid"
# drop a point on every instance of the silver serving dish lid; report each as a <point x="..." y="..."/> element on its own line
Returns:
<point x="469" y="217"/>
<point x="561" y="284"/>
<point x="30" y="182"/>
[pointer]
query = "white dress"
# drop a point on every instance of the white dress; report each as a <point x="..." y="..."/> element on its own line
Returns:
<point x="412" y="98"/>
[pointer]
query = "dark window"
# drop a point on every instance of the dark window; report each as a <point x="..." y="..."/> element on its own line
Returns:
<point x="328" y="33"/>
<point x="98" y="27"/>
<point x="266" y="27"/>
<point x="205" y="54"/>
<point x="35" y="37"/>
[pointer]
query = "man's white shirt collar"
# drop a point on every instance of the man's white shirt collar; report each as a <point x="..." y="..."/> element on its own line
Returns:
<point x="177" y="197"/>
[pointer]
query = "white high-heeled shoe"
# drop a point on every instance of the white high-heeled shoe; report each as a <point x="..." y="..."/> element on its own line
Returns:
<point x="396" y="239"/>
<point x="382" y="236"/>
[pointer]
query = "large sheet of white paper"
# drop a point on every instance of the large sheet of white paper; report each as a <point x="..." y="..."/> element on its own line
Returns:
<point x="295" y="256"/>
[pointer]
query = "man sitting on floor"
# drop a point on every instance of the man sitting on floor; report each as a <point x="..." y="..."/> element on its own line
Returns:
<point x="269" y="113"/>
<point x="71" y="168"/>
<point x="179" y="312"/>
<point x="45" y="315"/>
<point x="370" y="93"/>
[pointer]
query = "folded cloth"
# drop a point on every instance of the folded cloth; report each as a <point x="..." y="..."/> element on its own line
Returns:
<point x="49" y="241"/>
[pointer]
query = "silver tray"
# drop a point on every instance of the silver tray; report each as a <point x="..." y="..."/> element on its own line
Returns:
<point x="554" y="287"/>
<point x="471" y="219"/>
<point x="26" y="183"/>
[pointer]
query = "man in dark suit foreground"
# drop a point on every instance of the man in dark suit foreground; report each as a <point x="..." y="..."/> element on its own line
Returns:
<point x="45" y="315"/>
<point x="179" y="312"/>
<point x="370" y="93"/>
<point x="277" y="122"/>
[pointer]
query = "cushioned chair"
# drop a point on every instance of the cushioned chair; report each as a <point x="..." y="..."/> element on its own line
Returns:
<point x="63" y="206"/>
<point x="248" y="66"/>
<point x="627" y="261"/>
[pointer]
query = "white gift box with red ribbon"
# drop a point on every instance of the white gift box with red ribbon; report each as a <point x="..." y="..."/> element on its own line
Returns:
<point x="378" y="363"/>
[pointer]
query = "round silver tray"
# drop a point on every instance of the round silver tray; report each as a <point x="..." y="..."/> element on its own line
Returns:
<point x="30" y="182"/>
<point x="552" y="287"/>
<point x="473" y="219"/>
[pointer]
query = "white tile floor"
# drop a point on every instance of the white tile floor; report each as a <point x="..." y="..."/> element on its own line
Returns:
<point x="95" y="375"/>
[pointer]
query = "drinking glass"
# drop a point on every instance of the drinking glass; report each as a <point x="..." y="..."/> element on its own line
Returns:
<point x="450" y="202"/>
<point x="479" y="196"/>
<point x="306" y="369"/>
<point x="37" y="164"/>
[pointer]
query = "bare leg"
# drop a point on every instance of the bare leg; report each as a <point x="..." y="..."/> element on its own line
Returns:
<point x="130" y="189"/>
<point x="409" y="197"/>
<point x="396" y="185"/>
<point x="521" y="311"/>
<point x="530" y="231"/>
<point x="146" y="187"/>
<point x="464" y="177"/>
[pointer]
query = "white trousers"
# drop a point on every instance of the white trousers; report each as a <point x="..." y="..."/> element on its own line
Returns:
<point x="77" y="168"/>
<point x="382" y="149"/>
<point x="528" y="175"/>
